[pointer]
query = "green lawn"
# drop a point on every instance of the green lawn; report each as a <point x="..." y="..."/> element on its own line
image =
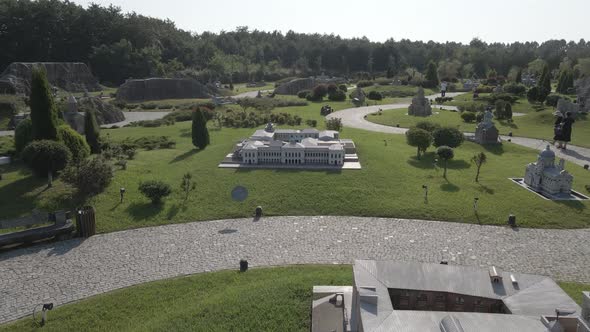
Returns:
<point x="532" y="124"/>
<point x="266" y="299"/>
<point x="270" y="299"/>
<point x="6" y="145"/>
<point x="389" y="185"/>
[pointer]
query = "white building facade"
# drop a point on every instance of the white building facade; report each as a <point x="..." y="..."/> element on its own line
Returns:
<point x="294" y="147"/>
<point x="543" y="175"/>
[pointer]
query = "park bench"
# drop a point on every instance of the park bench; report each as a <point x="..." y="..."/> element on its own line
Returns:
<point x="60" y="227"/>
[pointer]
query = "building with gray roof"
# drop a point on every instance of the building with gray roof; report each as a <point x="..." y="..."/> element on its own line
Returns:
<point x="291" y="148"/>
<point x="399" y="296"/>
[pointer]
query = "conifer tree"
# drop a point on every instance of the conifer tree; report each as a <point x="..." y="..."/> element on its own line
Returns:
<point x="43" y="111"/>
<point x="200" y="134"/>
<point x="92" y="131"/>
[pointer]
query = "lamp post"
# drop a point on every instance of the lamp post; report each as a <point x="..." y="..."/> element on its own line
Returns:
<point x="425" y="187"/>
<point x="475" y="200"/>
<point x="122" y="193"/>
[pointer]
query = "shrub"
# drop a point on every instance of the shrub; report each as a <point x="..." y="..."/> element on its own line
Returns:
<point x="419" y="138"/>
<point x="343" y="87"/>
<point x="148" y="106"/>
<point x="445" y="153"/>
<point x="441" y="100"/>
<point x="334" y="124"/>
<point x="383" y="81"/>
<point x="89" y="178"/>
<point x="332" y="88"/>
<point x="46" y="156"/>
<point x="148" y="143"/>
<point x="318" y="93"/>
<point x="484" y="89"/>
<point x="74" y="142"/>
<point x="178" y="116"/>
<point x="536" y="94"/>
<point x="337" y="95"/>
<point x="303" y="94"/>
<point x="479" y="117"/>
<point x="165" y="107"/>
<point x="472" y="107"/>
<point x="448" y="136"/>
<point x="43" y="110"/>
<point x="23" y="135"/>
<point x="552" y="99"/>
<point x="515" y="88"/>
<point x="92" y="131"/>
<point x="501" y="96"/>
<point x="311" y="123"/>
<point x="503" y="110"/>
<point x="364" y="84"/>
<point x="428" y="126"/>
<point x="155" y="190"/>
<point x="374" y="95"/>
<point x="468" y="116"/>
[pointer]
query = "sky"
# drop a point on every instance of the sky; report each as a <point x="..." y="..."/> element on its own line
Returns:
<point x="447" y="20"/>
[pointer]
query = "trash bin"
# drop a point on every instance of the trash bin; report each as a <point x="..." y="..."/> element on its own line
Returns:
<point x="86" y="221"/>
<point x="243" y="265"/>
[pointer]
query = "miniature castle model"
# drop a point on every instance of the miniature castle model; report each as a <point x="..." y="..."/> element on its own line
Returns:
<point x="74" y="118"/>
<point x="545" y="176"/>
<point x="295" y="147"/>
<point x="420" y="105"/>
<point x="486" y="132"/>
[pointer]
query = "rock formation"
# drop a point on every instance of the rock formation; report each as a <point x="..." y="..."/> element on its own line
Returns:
<point x="420" y="105"/>
<point x="298" y="84"/>
<point x="583" y="92"/>
<point x="105" y="113"/>
<point x="161" y="88"/>
<point x="69" y="76"/>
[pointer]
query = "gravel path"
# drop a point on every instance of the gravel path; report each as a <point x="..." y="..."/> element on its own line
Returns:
<point x="62" y="272"/>
<point x="355" y="118"/>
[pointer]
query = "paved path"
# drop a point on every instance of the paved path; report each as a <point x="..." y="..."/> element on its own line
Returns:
<point x="355" y="118"/>
<point x="67" y="271"/>
<point x="136" y="116"/>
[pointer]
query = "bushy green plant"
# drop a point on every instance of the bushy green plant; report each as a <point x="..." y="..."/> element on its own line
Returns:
<point x="514" y="88"/>
<point x="419" y="138"/>
<point x="74" y="142"/>
<point x="445" y="153"/>
<point x="46" y="156"/>
<point x="448" y="136"/>
<point x="334" y="124"/>
<point x="364" y="84"/>
<point x="200" y="133"/>
<point x="90" y="177"/>
<point x="343" y="87"/>
<point x="337" y="95"/>
<point x="311" y="123"/>
<point x="92" y="131"/>
<point x="23" y="135"/>
<point x="468" y="116"/>
<point x="553" y="99"/>
<point x="375" y="95"/>
<point x="303" y="94"/>
<point x="155" y="190"/>
<point x="428" y="126"/>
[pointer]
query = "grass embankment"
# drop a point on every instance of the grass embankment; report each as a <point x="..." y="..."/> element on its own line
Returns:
<point x="537" y="122"/>
<point x="389" y="185"/>
<point x="269" y="299"/>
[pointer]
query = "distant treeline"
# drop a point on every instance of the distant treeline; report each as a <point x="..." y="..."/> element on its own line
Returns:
<point x="121" y="45"/>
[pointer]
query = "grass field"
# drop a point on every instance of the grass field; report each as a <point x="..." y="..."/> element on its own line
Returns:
<point x="268" y="299"/>
<point x="535" y="124"/>
<point x="390" y="185"/>
<point x="6" y="145"/>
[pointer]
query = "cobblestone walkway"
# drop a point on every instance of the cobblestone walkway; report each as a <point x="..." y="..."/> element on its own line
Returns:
<point x="67" y="271"/>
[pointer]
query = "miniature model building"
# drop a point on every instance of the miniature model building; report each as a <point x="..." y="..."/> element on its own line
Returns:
<point x="543" y="175"/>
<point x="486" y="132"/>
<point x="295" y="148"/>
<point x="420" y="105"/>
<point x="400" y="296"/>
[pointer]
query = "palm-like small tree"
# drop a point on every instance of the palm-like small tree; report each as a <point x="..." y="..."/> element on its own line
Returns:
<point x="479" y="159"/>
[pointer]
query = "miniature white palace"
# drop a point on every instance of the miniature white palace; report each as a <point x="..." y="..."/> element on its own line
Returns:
<point x="290" y="148"/>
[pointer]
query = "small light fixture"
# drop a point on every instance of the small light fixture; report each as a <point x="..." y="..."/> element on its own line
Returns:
<point x="122" y="193"/>
<point x="425" y="187"/>
<point x="475" y="200"/>
<point x="45" y="307"/>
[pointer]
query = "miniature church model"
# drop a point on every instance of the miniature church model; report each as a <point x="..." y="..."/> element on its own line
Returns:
<point x="486" y="132"/>
<point x="545" y="176"/>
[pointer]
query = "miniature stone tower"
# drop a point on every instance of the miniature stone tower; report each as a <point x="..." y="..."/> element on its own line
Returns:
<point x="420" y="105"/>
<point x="486" y="132"/>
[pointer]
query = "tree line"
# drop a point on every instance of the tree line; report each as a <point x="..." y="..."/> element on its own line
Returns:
<point x="120" y="45"/>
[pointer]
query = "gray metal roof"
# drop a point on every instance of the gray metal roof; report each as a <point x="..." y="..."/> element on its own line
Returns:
<point x="532" y="295"/>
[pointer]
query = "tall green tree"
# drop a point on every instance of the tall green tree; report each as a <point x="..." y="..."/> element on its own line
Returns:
<point x="518" y="76"/>
<point x="431" y="75"/>
<point x="479" y="159"/>
<point x="92" y="131"/>
<point x="445" y="153"/>
<point x="545" y="80"/>
<point x="200" y="134"/>
<point x="43" y="110"/>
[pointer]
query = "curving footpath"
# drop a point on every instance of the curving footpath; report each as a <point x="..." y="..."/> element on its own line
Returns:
<point x="355" y="118"/>
<point x="67" y="271"/>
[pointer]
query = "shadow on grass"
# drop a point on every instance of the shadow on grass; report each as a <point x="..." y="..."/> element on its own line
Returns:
<point x="290" y="170"/>
<point x="578" y="205"/>
<point x="426" y="162"/>
<point x="457" y="164"/>
<point x="14" y="200"/>
<point x="449" y="187"/>
<point x="173" y="211"/>
<point x="485" y="189"/>
<point x="185" y="155"/>
<point x="497" y="149"/>
<point x="141" y="211"/>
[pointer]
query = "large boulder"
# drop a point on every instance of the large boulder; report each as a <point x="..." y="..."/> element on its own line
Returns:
<point x="105" y="113"/>
<point x="69" y="76"/>
<point x="583" y="92"/>
<point x="161" y="88"/>
<point x="298" y="84"/>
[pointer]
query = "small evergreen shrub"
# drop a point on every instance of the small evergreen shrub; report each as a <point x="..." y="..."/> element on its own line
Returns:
<point x="468" y="117"/>
<point x="374" y="95"/>
<point x="155" y="190"/>
<point x="44" y="156"/>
